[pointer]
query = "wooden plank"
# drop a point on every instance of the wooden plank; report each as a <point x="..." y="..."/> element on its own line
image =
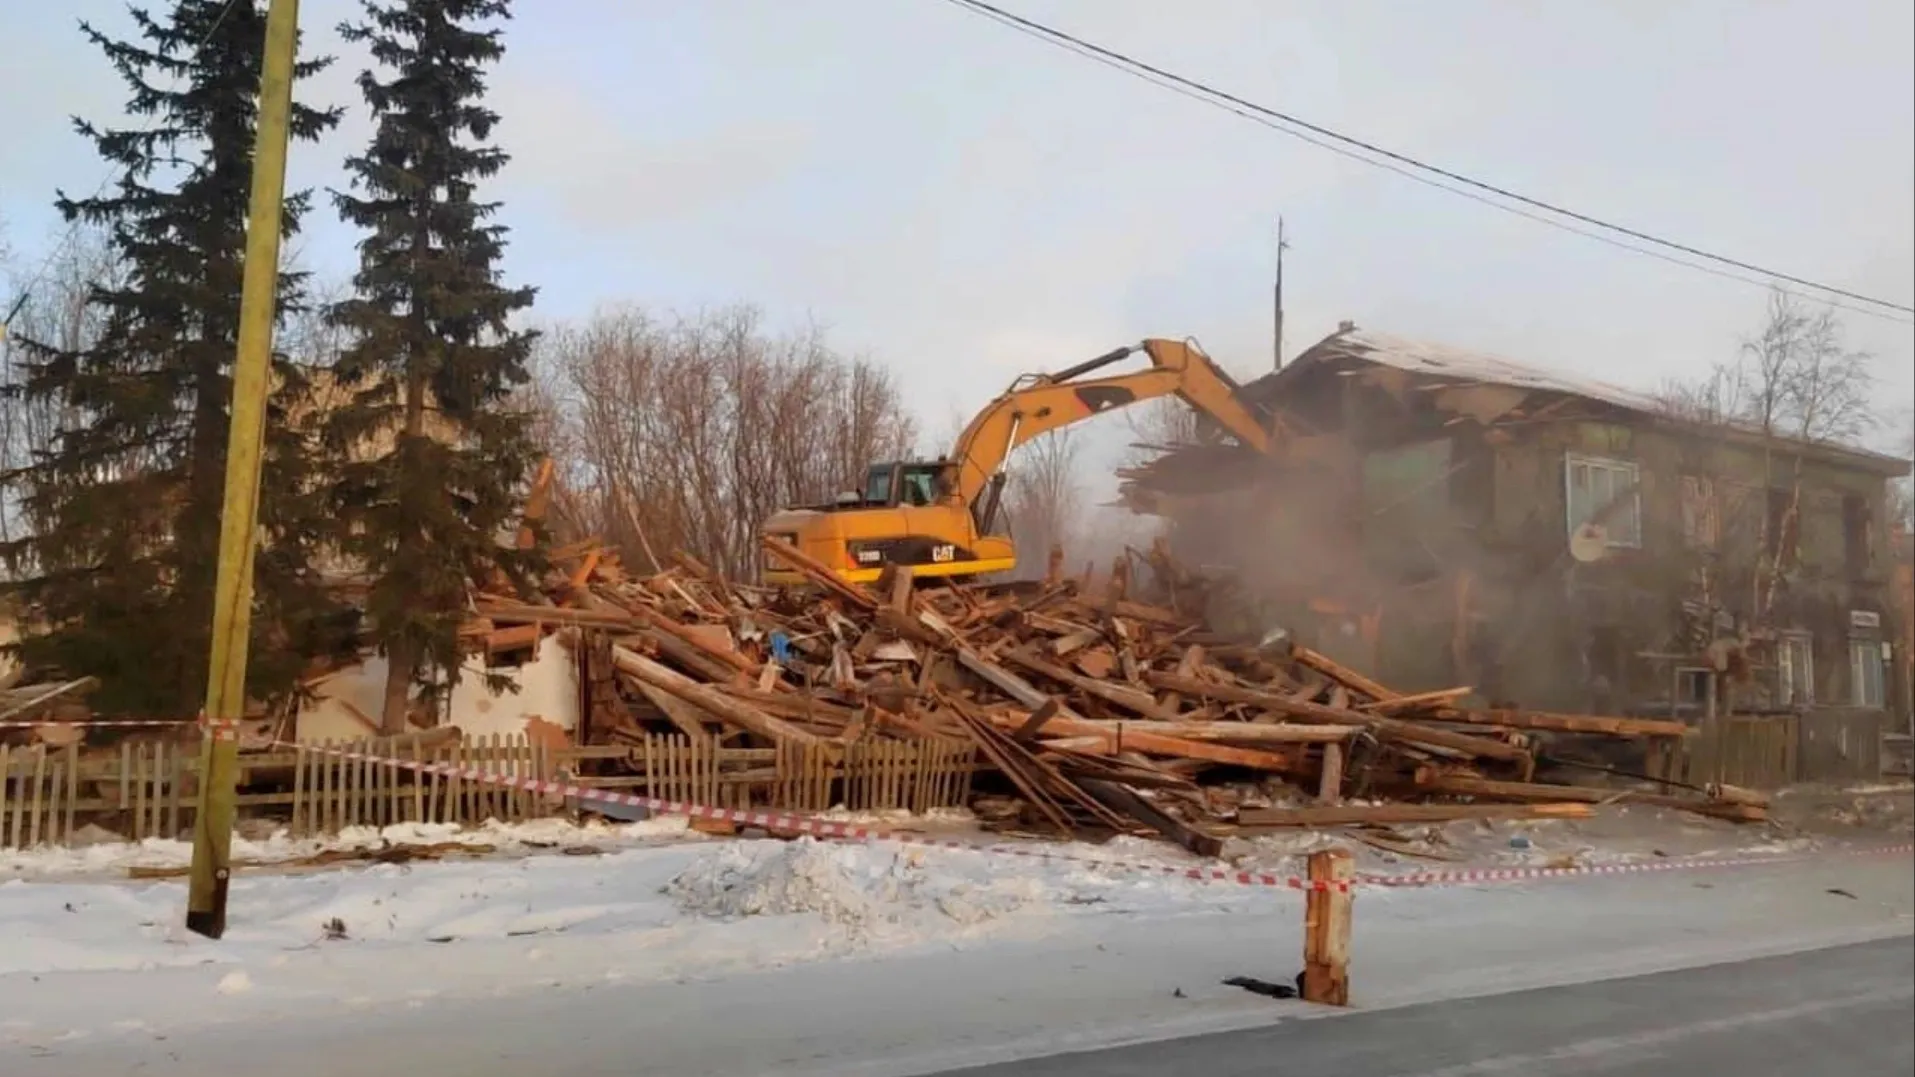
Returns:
<point x="6" y="798"/>
<point x="707" y="698"/>
<point x="1383" y="727"/>
<point x="1560" y="723"/>
<point x="1131" y="699"/>
<point x="1044" y="712"/>
<point x="1007" y="682"/>
<point x="56" y="799"/>
<point x="1350" y="815"/>
<point x="1122" y="800"/>
<point x="1137" y="738"/>
<point x="1400" y="704"/>
<point x="1330" y="782"/>
<point x="1531" y="791"/>
<point x="38" y="804"/>
<point x="1341" y="674"/>
<point x="301" y="802"/>
<point x="510" y="613"/>
<point x="140" y="792"/>
<point x="72" y="768"/>
<point x="1257" y="733"/>
<point x="171" y="776"/>
<point x="688" y="719"/>
<point x="819" y="574"/>
<point x="518" y="637"/>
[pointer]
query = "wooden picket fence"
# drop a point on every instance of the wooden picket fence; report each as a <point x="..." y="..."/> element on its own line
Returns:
<point x="143" y="788"/>
<point x="878" y="775"/>
<point x="1830" y="745"/>
<point x="331" y="792"/>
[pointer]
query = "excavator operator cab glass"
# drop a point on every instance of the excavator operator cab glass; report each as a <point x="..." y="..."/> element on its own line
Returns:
<point x="877" y="484"/>
<point x="918" y="484"/>
<point x="893" y="484"/>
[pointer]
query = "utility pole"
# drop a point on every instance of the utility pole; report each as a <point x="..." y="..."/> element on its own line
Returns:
<point x="1276" y="335"/>
<point x="233" y="594"/>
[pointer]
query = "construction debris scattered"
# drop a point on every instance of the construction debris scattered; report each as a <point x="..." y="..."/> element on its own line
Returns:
<point x="1091" y="710"/>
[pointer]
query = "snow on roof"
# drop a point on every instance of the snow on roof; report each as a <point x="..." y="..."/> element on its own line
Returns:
<point x="1436" y="360"/>
<point x="1439" y="361"/>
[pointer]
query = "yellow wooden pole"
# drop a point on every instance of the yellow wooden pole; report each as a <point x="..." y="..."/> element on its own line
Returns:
<point x="233" y="594"/>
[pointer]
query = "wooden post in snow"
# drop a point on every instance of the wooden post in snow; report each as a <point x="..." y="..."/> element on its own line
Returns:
<point x="1326" y="928"/>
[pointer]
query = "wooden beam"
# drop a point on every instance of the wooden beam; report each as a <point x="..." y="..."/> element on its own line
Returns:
<point x="1134" y="700"/>
<point x="1151" y="743"/>
<point x="818" y="573"/>
<point x="509" y="613"/>
<point x="1352" y="815"/>
<point x="1387" y="728"/>
<point x="1028" y="731"/>
<point x="1126" y="802"/>
<point x="707" y="698"/>
<point x="666" y="623"/>
<point x="1341" y="674"/>
<point x="1330" y="782"/>
<point x="1224" y="731"/>
<point x="1560" y="723"/>
<point x="1326" y="928"/>
<point x="1481" y="787"/>
<point x="1420" y="699"/>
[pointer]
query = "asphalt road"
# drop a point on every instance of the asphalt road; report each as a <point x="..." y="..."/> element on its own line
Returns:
<point x="1848" y="1010"/>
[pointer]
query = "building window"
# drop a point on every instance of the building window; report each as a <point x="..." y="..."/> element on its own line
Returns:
<point x="1701" y="519"/>
<point x="1692" y="686"/>
<point x="1783" y="524"/>
<point x="1795" y="669"/>
<point x="1865" y="673"/>
<point x="1604" y="492"/>
<point x="1857" y="537"/>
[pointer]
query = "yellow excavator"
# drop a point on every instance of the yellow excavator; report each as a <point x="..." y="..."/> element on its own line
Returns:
<point x="944" y="518"/>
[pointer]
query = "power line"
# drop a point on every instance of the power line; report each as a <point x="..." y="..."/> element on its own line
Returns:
<point x="1411" y="167"/>
<point x="1463" y="192"/>
<point x="113" y="176"/>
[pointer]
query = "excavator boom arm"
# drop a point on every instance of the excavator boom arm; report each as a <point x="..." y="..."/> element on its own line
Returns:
<point x="1030" y="409"/>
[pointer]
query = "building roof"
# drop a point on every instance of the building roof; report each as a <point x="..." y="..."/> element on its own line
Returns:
<point x="1442" y="361"/>
<point x="1437" y="361"/>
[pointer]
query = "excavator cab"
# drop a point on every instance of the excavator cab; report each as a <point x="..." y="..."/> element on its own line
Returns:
<point x="895" y="483"/>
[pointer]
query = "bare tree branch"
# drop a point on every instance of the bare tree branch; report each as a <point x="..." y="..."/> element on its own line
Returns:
<point x="686" y="432"/>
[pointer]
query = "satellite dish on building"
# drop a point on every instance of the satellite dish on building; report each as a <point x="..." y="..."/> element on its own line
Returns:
<point x="1589" y="543"/>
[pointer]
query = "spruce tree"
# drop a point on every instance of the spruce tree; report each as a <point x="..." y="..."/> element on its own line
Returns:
<point x="124" y="502"/>
<point x="433" y="453"/>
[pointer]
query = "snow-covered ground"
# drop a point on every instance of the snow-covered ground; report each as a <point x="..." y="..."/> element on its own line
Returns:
<point x="843" y="961"/>
<point x="554" y="911"/>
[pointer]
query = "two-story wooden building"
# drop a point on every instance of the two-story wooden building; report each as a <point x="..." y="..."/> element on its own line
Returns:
<point x="1554" y="542"/>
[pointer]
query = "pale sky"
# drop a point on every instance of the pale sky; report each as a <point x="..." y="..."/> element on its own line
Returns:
<point x="965" y="203"/>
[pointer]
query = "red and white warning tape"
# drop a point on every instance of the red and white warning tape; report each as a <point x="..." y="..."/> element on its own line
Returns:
<point x="1471" y="876"/>
<point x="828" y="829"/>
<point x="832" y="830"/>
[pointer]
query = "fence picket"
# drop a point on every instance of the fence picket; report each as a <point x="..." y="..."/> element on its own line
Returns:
<point x="6" y="782"/>
<point x="39" y="775"/>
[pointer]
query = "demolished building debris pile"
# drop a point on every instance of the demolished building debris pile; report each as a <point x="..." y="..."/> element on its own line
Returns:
<point x="1091" y="710"/>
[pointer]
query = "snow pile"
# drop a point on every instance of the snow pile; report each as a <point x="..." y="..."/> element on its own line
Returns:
<point x="862" y="889"/>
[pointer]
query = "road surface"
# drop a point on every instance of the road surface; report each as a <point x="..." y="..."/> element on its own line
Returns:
<point x="1072" y="984"/>
<point x="1847" y="1010"/>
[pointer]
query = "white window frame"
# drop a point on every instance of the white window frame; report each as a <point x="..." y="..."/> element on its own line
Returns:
<point x="1868" y="669"/>
<point x="1785" y="670"/>
<point x="1625" y="469"/>
<point x="1701" y="513"/>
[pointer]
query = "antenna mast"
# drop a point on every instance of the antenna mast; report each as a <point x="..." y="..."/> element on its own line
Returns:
<point x="1276" y="328"/>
